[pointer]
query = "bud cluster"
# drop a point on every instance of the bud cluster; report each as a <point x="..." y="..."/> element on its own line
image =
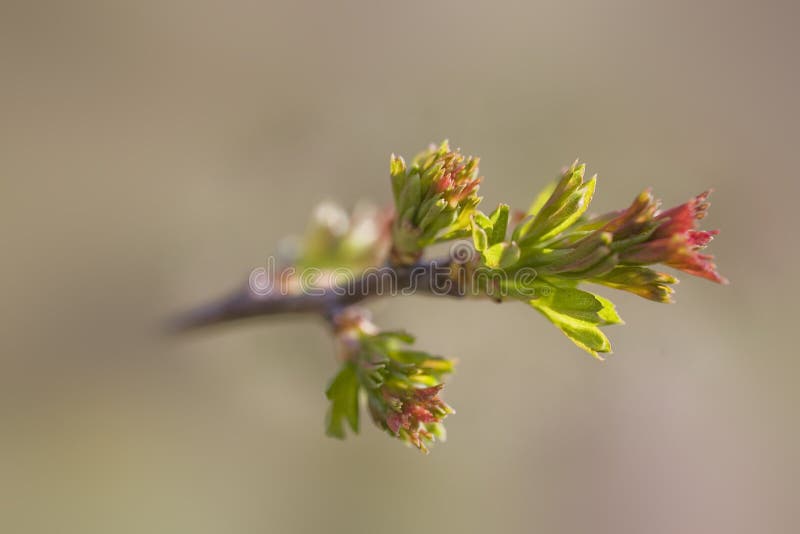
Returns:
<point x="556" y="240"/>
<point x="401" y="385"/>
<point x="434" y="199"/>
<point x="555" y="245"/>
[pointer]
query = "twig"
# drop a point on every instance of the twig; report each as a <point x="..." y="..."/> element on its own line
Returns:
<point x="433" y="278"/>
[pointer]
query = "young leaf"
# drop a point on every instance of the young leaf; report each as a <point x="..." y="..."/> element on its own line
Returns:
<point x="343" y="394"/>
<point x="411" y="194"/>
<point x="583" y="333"/>
<point x="542" y="197"/>
<point x="608" y="313"/>
<point x="395" y="335"/>
<point x="579" y="314"/>
<point x="460" y="228"/>
<point x="501" y="255"/>
<point x="582" y="305"/>
<point x="562" y="213"/>
<point x="499" y="221"/>
<point x="479" y="238"/>
<point x="483" y="221"/>
<point x="522" y="228"/>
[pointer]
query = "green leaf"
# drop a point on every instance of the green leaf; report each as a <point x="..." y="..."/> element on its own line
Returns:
<point x="608" y="313"/>
<point x="430" y="214"/>
<point x="501" y="256"/>
<point x="425" y="380"/>
<point x="522" y="228"/>
<point x="510" y="255"/>
<point x="343" y="394"/>
<point x="499" y="220"/>
<point x="584" y="334"/>
<point x="582" y="305"/>
<point x="436" y="364"/>
<point x="411" y="195"/>
<point x="542" y="197"/>
<point x="579" y="314"/>
<point x="482" y="220"/>
<point x="444" y="220"/>
<point x="562" y="213"/>
<point x="461" y="227"/>
<point x="523" y="288"/>
<point x="395" y="335"/>
<point x="479" y="238"/>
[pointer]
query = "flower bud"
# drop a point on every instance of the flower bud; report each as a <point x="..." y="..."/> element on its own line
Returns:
<point x="434" y="198"/>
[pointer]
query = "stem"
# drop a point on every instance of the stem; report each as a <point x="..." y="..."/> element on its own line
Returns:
<point x="433" y="278"/>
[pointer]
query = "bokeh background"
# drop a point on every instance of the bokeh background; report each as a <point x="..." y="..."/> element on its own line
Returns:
<point x="153" y="152"/>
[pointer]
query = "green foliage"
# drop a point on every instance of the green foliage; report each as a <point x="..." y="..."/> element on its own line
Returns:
<point x="542" y="257"/>
<point x="553" y="248"/>
<point x="568" y="201"/>
<point x="555" y="240"/>
<point x="401" y="385"/>
<point x="579" y="314"/>
<point x="343" y="394"/>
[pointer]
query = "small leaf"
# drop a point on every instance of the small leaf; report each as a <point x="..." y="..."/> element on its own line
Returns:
<point x="482" y="220"/>
<point x="444" y="220"/>
<point x="499" y="220"/>
<point x="479" y="238"/>
<point x="523" y="288"/>
<point x="579" y="314"/>
<point x="399" y="335"/>
<point x="584" y="334"/>
<point x="609" y="312"/>
<point x="582" y="305"/>
<point x="411" y="195"/>
<point x="510" y="255"/>
<point x="461" y="227"/>
<point x="542" y="197"/>
<point x="522" y="228"/>
<point x="501" y="255"/>
<point x="343" y="394"/>
<point x="430" y="213"/>
<point x="562" y="213"/>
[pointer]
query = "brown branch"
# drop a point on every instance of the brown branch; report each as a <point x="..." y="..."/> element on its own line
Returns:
<point x="433" y="278"/>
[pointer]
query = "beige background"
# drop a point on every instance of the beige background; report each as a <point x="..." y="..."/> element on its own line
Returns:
<point x="152" y="153"/>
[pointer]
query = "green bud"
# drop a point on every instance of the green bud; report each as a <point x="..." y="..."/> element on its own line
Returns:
<point x="397" y="171"/>
<point x="436" y="175"/>
<point x="560" y="213"/>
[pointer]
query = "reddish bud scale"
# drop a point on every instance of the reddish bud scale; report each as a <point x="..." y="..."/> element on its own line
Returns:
<point x="675" y="242"/>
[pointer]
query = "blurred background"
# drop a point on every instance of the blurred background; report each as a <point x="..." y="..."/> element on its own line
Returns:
<point x="153" y="153"/>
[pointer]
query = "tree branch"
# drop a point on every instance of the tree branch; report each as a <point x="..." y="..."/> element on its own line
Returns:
<point x="433" y="278"/>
